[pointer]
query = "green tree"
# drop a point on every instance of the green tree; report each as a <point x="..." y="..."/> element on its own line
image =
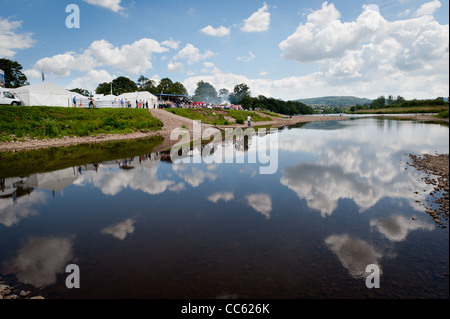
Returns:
<point x="247" y="102"/>
<point x="178" y="89"/>
<point x="378" y="103"/>
<point x="81" y="91"/>
<point x="119" y="86"/>
<point x="14" y="77"/>
<point x="103" y="88"/>
<point x="390" y="100"/>
<point x="240" y="92"/>
<point x="164" y="86"/>
<point x="123" y="85"/>
<point x="142" y="82"/>
<point x="205" y="92"/>
<point x="400" y="100"/>
<point x="145" y="84"/>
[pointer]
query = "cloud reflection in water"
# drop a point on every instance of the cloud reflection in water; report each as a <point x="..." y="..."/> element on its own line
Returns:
<point x="396" y="228"/>
<point x="40" y="260"/>
<point x="353" y="253"/>
<point x="120" y="231"/>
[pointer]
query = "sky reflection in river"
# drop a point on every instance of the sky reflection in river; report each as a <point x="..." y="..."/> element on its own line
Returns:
<point x="343" y="198"/>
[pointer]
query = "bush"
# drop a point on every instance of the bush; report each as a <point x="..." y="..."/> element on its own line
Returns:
<point x="443" y="115"/>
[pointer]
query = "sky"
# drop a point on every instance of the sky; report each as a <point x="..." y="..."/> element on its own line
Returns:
<point x="286" y="49"/>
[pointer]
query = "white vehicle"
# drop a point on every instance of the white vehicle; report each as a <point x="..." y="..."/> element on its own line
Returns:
<point x="7" y="98"/>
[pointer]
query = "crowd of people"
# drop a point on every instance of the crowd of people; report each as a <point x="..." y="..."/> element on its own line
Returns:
<point x="197" y="105"/>
<point x="91" y="102"/>
<point x="125" y="103"/>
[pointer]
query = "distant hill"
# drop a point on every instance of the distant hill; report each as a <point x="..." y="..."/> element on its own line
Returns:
<point x="335" y="101"/>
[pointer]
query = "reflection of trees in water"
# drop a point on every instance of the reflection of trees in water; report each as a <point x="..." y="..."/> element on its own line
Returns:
<point x="18" y="187"/>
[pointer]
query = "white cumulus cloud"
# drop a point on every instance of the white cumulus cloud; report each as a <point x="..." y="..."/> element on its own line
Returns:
<point x="258" y="21"/>
<point x="216" y="32"/>
<point x="429" y="8"/>
<point x="171" y="44"/>
<point x="11" y="40"/>
<point x="91" y="79"/>
<point x="371" y="55"/>
<point x="175" y="67"/>
<point x="132" y="58"/>
<point x="192" y="54"/>
<point x="113" y="5"/>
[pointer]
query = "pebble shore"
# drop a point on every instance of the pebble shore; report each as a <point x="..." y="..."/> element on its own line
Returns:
<point x="10" y="292"/>
<point x="437" y="169"/>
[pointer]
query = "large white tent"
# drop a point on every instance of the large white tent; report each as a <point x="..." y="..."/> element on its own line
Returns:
<point x="144" y="96"/>
<point x="46" y="94"/>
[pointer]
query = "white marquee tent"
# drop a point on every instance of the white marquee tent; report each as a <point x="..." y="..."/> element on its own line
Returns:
<point x="144" y="96"/>
<point x="46" y="94"/>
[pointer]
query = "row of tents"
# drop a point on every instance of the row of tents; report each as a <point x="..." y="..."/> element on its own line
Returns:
<point x="49" y="94"/>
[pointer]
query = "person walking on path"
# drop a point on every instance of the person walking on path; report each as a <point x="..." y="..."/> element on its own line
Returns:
<point x="249" y="119"/>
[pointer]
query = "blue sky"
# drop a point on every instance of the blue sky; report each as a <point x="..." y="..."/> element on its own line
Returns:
<point x="284" y="49"/>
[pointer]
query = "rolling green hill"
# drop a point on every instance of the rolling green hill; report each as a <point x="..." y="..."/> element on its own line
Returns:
<point x="335" y="101"/>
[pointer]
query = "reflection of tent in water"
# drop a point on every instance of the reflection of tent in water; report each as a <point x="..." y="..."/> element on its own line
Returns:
<point x="10" y="185"/>
<point x="58" y="180"/>
<point x="148" y="161"/>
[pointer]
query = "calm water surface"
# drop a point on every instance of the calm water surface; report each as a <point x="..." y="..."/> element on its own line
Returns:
<point x="343" y="197"/>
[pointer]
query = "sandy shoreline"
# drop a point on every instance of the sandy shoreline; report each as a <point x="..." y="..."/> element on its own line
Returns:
<point x="170" y="121"/>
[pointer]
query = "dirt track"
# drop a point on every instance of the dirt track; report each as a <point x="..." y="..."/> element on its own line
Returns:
<point x="171" y="122"/>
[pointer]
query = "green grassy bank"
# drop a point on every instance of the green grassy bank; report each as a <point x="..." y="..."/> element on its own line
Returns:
<point x="219" y="117"/>
<point x="39" y="122"/>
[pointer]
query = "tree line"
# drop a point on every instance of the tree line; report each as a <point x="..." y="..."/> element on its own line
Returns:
<point x="123" y="85"/>
<point x="397" y="102"/>
<point x="205" y="92"/>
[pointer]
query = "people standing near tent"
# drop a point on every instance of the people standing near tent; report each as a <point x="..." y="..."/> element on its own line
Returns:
<point x="146" y="104"/>
<point x="75" y="101"/>
<point x="91" y="103"/>
<point x="121" y="103"/>
<point x="137" y="103"/>
<point x="81" y="104"/>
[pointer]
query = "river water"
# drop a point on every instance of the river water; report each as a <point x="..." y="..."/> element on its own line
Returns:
<point x="341" y="197"/>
